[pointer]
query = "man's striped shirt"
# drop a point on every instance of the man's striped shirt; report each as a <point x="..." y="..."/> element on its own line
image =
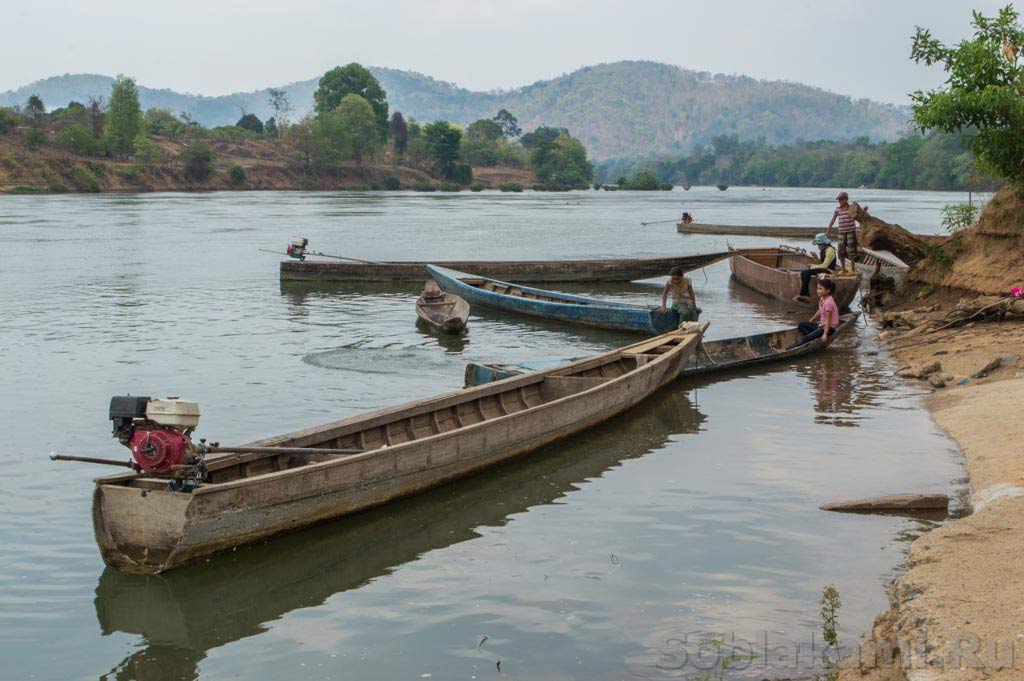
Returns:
<point x="846" y="223"/>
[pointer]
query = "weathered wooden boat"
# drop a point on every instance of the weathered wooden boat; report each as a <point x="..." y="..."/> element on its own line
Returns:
<point x="776" y="232"/>
<point x="886" y="262"/>
<point x="440" y="311"/>
<point x="525" y="271"/>
<point x="710" y="356"/>
<point x="776" y="273"/>
<point x="142" y="526"/>
<point x="563" y="307"/>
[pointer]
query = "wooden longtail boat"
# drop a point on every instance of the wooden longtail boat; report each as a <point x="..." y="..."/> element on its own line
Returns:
<point x="443" y="312"/>
<point x="561" y="307"/>
<point x="776" y="273"/>
<point x="781" y="232"/>
<point x="710" y="356"/>
<point x="525" y="271"/>
<point x="143" y="527"/>
<point x="888" y="264"/>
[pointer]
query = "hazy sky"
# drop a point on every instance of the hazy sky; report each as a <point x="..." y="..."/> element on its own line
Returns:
<point x="859" y="48"/>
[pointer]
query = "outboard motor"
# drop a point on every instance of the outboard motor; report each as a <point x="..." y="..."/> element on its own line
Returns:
<point x="297" y="247"/>
<point x="157" y="431"/>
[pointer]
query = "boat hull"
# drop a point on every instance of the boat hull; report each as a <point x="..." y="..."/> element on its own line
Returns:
<point x="559" y="307"/>
<point x="448" y="315"/>
<point x="777" y="274"/>
<point x="711" y="357"/>
<point x="780" y="232"/>
<point x="523" y="271"/>
<point x="148" y="529"/>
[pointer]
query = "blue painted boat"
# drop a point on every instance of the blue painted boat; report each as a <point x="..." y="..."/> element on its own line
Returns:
<point x="710" y="356"/>
<point x="563" y="307"/>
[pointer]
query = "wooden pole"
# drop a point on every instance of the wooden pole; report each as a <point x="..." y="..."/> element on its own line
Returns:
<point x="54" y="456"/>
<point x="215" y="449"/>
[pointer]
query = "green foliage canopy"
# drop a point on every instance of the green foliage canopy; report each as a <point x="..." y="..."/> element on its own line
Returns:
<point x="124" y="117"/>
<point x="197" y="161"/>
<point x="250" y="122"/>
<point x="984" y="91"/>
<point x="348" y="80"/>
<point x="442" y="143"/>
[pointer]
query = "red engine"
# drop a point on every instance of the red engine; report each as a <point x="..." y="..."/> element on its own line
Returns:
<point x="157" y="431"/>
<point x="156" y="451"/>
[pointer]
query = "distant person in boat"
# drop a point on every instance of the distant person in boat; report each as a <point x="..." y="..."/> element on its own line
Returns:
<point x="687" y="218"/>
<point x="826" y="264"/>
<point x="684" y="302"/>
<point x="847" y="232"/>
<point x="825" y="321"/>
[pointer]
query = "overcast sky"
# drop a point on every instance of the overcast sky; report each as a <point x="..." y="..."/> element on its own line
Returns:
<point x="213" y="47"/>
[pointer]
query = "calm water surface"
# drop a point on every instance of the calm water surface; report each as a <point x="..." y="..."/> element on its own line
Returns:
<point x="608" y="556"/>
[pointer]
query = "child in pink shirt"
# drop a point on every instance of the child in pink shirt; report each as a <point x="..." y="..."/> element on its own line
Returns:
<point x="825" y="320"/>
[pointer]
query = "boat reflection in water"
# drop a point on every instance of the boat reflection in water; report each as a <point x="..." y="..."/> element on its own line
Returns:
<point x="183" y="615"/>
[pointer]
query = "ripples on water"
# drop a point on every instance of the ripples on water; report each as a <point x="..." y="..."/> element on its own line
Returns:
<point x="695" y="512"/>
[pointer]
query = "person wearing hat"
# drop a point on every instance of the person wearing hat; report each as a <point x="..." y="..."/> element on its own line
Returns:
<point x="847" y="231"/>
<point x="826" y="265"/>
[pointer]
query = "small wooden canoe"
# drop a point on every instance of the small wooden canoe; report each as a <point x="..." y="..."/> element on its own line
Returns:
<point x="776" y="273"/>
<point x="710" y="357"/>
<point x="531" y="271"/>
<point x="440" y="311"/>
<point x="562" y="307"/>
<point x="780" y="232"/>
<point x="143" y="527"/>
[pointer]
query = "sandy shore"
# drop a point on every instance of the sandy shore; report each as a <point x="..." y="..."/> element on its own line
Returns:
<point x="958" y="612"/>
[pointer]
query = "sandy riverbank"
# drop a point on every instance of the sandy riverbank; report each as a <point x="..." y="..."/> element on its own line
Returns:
<point x="958" y="612"/>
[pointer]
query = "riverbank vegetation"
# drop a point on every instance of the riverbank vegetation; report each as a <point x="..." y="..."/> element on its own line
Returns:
<point x="936" y="161"/>
<point x="350" y="140"/>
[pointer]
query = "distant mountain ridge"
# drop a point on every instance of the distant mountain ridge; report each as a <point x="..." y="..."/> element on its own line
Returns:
<point x="625" y="109"/>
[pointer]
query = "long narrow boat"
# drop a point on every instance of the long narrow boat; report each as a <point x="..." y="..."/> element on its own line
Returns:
<point x="440" y="311"/>
<point x="710" y="356"/>
<point x="603" y="314"/>
<point x="526" y="271"/>
<point x="143" y="527"/>
<point x="776" y="273"/>
<point x="777" y="232"/>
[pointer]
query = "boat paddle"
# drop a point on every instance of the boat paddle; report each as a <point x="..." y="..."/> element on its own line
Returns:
<point x="657" y="222"/>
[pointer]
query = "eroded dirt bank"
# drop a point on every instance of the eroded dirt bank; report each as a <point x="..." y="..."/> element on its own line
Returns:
<point x="958" y="612"/>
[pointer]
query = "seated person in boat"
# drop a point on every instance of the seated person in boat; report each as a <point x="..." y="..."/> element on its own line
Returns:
<point x="687" y="218"/>
<point x="826" y="264"/>
<point x="825" y="321"/>
<point x="684" y="302"/>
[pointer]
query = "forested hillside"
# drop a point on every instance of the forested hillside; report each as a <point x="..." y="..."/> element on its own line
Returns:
<point x="624" y="109"/>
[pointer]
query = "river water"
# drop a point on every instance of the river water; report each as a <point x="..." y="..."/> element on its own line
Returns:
<point x="611" y="555"/>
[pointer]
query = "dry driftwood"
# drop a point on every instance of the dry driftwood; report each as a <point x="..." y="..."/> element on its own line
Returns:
<point x="883" y="236"/>
<point x="892" y="502"/>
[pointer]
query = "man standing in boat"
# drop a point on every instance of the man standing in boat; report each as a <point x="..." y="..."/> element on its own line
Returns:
<point x="847" y="232"/>
<point x="684" y="301"/>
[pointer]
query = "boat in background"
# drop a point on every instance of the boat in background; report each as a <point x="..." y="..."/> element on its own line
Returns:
<point x="295" y="480"/>
<point x="440" y="311"/>
<point x="531" y="271"/>
<point x="775" y="232"/>
<point x="776" y="273"/>
<point x="710" y="356"/>
<point x="561" y="307"/>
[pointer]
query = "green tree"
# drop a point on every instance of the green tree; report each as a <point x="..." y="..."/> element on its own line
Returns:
<point x="8" y="121"/>
<point x="197" y="161"/>
<point x="983" y="96"/>
<point x="250" y="122"/>
<point x="270" y="129"/>
<point x="442" y="142"/>
<point x="399" y="133"/>
<point x="353" y="79"/>
<point x="560" y="161"/>
<point x="124" y="117"/>
<point x="484" y="129"/>
<point x="146" y="152"/>
<point x="162" y="122"/>
<point x="77" y="138"/>
<point x="508" y="123"/>
<point x="282" y="108"/>
<point x="35" y="110"/>
<point x="358" y="127"/>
